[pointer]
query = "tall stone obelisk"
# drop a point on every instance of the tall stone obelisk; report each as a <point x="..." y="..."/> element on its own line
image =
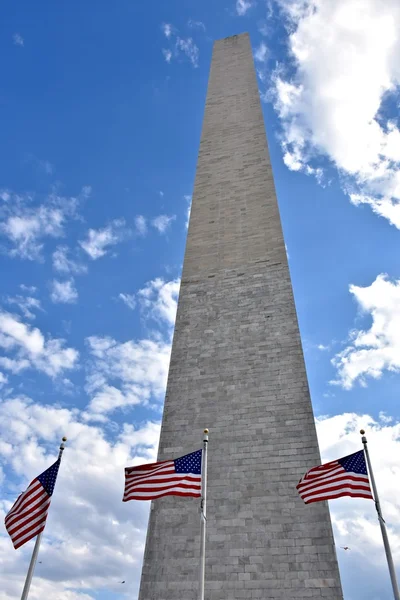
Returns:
<point x="237" y="367"/>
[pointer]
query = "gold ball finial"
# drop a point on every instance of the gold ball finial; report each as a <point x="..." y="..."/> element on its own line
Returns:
<point x="64" y="439"/>
<point x="362" y="431"/>
<point x="206" y="431"/>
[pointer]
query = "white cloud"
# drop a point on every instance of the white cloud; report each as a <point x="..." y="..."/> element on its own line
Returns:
<point x="41" y="165"/>
<point x="346" y="64"/>
<point x="134" y="372"/>
<point x="167" y="29"/>
<point x="128" y="299"/>
<point x="85" y="546"/>
<point x="99" y="240"/>
<point x="64" y="292"/>
<point x="25" y="304"/>
<point x="261" y="53"/>
<point x="354" y="520"/>
<point x="18" y="39"/>
<point x="242" y="6"/>
<point x="31" y="289"/>
<point x="163" y="222"/>
<point x="30" y="349"/>
<point x="24" y="231"/>
<point x="189" y="49"/>
<point x="25" y="223"/>
<point x="188" y="199"/>
<point x="159" y="299"/>
<point x="139" y="368"/>
<point x="141" y="224"/>
<point x="86" y="192"/>
<point x="63" y="264"/>
<point x="181" y="47"/>
<point x="384" y="418"/>
<point x="196" y="25"/>
<point x="5" y="195"/>
<point x="372" y="351"/>
<point x="167" y="55"/>
<point x="45" y="166"/>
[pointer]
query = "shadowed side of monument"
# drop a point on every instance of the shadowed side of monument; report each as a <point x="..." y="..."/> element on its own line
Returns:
<point x="237" y="367"/>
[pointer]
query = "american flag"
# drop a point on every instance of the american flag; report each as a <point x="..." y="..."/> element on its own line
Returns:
<point x="179" y="477"/>
<point x="344" y="477"/>
<point x="27" y="518"/>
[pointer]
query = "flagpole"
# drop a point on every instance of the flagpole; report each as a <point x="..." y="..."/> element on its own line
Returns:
<point x="35" y="552"/>
<point x="203" y="516"/>
<point x="389" y="558"/>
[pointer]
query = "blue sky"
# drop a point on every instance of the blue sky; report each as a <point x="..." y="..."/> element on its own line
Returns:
<point x="102" y="109"/>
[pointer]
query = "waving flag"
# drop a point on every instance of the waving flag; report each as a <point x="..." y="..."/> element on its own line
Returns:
<point x="27" y="518"/>
<point x="347" y="476"/>
<point x="179" y="477"/>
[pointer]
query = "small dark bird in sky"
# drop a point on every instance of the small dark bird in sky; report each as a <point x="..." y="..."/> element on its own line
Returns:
<point x="345" y="547"/>
<point x="122" y="581"/>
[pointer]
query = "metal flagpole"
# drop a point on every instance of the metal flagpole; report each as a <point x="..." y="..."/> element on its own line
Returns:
<point x="203" y="517"/>
<point x="35" y="552"/>
<point x="389" y="558"/>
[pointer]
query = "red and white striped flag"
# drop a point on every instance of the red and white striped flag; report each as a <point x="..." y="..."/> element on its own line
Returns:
<point x="179" y="477"/>
<point x="27" y="518"/>
<point x="346" y="476"/>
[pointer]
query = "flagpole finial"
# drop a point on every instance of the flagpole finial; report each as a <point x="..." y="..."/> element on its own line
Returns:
<point x="206" y="431"/>
<point x="62" y="446"/>
<point x="362" y="431"/>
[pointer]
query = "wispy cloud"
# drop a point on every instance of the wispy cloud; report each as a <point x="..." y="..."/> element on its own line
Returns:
<point x="128" y="299"/>
<point x="159" y="299"/>
<point x="141" y="225"/>
<point x="134" y="372"/>
<point x="167" y="55"/>
<point x="167" y="29"/>
<point x="163" y="222"/>
<point x="25" y="223"/>
<point x="188" y="199"/>
<point x="18" y="39"/>
<point x="322" y="347"/>
<point x="31" y="289"/>
<point x="46" y="166"/>
<point x="99" y="241"/>
<point x="196" y="25"/>
<point x="261" y="53"/>
<point x="63" y="292"/>
<point x="181" y="47"/>
<point x="138" y="368"/>
<point x="41" y="165"/>
<point x="63" y="264"/>
<point x="189" y="49"/>
<point x="26" y="347"/>
<point x="242" y="6"/>
<point x="3" y="380"/>
<point x="26" y="304"/>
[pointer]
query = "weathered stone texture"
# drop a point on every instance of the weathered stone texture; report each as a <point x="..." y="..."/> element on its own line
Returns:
<point x="237" y="367"/>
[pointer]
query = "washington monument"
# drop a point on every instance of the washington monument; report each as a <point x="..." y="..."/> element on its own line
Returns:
<point x="237" y="368"/>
